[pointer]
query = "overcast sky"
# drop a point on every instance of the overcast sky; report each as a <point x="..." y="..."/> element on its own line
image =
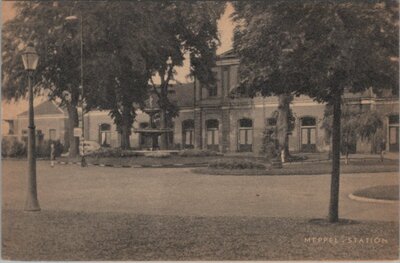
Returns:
<point x="225" y="27"/>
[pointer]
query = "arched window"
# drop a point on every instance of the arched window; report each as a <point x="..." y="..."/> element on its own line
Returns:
<point x="212" y="135"/>
<point x="308" y="134"/>
<point x="393" y="133"/>
<point x="188" y="134"/>
<point x="105" y="134"/>
<point x="245" y="135"/>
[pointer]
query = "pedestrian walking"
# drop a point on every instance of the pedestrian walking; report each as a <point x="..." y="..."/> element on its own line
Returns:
<point x="382" y="149"/>
<point x="52" y="155"/>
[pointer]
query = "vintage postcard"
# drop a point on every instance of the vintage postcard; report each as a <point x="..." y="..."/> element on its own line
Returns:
<point x="200" y="130"/>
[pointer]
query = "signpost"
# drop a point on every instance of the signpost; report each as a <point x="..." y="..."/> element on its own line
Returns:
<point x="77" y="132"/>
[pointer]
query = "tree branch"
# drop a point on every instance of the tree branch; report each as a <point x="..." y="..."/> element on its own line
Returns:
<point x="154" y="88"/>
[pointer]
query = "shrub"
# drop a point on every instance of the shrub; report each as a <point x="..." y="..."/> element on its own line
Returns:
<point x="269" y="147"/>
<point x="296" y="158"/>
<point x="157" y="154"/>
<point x="113" y="152"/>
<point x="236" y="165"/>
<point x="43" y="149"/>
<point x="198" y="153"/>
<point x="11" y="147"/>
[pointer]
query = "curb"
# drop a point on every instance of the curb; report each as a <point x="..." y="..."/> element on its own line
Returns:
<point x="175" y="165"/>
<point x="372" y="200"/>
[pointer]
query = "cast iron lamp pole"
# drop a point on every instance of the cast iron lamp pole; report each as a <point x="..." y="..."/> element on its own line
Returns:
<point x="30" y="59"/>
<point x="74" y="18"/>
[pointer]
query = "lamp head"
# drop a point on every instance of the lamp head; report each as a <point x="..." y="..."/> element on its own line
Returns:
<point x="30" y="58"/>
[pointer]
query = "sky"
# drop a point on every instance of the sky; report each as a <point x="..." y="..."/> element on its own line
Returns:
<point x="225" y="27"/>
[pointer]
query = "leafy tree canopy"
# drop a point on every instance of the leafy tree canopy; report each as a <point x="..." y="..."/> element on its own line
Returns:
<point x="317" y="48"/>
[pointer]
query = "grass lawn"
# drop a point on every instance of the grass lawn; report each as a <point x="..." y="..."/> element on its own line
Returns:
<point x="309" y="168"/>
<point x="61" y="235"/>
<point x="384" y="192"/>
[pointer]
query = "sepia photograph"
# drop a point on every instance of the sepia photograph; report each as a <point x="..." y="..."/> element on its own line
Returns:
<point x="200" y="130"/>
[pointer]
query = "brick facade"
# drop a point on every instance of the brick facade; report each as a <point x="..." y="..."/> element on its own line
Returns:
<point x="217" y="118"/>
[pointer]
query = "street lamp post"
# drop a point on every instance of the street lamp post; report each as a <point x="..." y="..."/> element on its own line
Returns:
<point x="30" y="59"/>
<point x="75" y="18"/>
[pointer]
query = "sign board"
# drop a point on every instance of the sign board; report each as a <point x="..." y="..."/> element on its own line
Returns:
<point x="77" y="132"/>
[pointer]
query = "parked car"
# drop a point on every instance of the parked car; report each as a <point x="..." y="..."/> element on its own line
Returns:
<point x="90" y="146"/>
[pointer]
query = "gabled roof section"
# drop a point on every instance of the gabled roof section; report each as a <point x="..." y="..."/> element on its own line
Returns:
<point x="45" y="108"/>
<point x="227" y="54"/>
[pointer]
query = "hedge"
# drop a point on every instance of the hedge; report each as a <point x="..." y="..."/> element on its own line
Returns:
<point x="236" y="165"/>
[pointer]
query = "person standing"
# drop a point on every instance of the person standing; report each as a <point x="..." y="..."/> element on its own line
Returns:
<point x="52" y="154"/>
<point x="382" y="149"/>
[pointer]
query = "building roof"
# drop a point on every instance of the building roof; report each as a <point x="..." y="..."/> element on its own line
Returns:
<point x="180" y="94"/>
<point x="183" y="94"/>
<point x="45" y="108"/>
<point x="228" y="54"/>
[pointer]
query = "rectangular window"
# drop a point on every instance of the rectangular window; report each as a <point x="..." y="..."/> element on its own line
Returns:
<point x="189" y="137"/>
<point x="249" y="136"/>
<point x="210" y="137"/>
<point x="312" y="136"/>
<point x="212" y="91"/>
<point x="242" y="137"/>
<point x="393" y="135"/>
<point x="105" y="138"/>
<point x="216" y="142"/>
<point x="246" y="136"/>
<point x="304" y="136"/>
<point x="52" y="134"/>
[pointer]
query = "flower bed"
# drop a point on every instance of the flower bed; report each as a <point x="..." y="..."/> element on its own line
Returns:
<point x="236" y="165"/>
<point x="113" y="152"/>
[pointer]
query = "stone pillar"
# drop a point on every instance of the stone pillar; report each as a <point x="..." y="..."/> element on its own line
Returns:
<point x="226" y="130"/>
<point x="198" y="128"/>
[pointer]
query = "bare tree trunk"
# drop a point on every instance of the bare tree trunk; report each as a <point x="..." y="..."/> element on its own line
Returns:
<point x="282" y="124"/>
<point x="335" y="177"/>
<point x="73" y="123"/>
<point x="286" y="148"/>
<point x="125" y="136"/>
<point x="163" y="125"/>
<point x="125" y="129"/>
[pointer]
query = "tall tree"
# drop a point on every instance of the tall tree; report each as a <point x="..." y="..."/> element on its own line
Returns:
<point x="182" y="28"/>
<point x="118" y="71"/>
<point x="322" y="49"/>
<point x="58" y="46"/>
<point x="263" y="60"/>
<point x="114" y="40"/>
<point x="355" y="124"/>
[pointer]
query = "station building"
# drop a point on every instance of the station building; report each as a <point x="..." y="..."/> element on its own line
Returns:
<point x="212" y="118"/>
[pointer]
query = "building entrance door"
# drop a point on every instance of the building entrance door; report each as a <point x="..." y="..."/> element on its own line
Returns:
<point x="308" y="140"/>
<point x="308" y="134"/>
<point x="394" y="139"/>
<point x="212" y="135"/>
<point x="245" y="138"/>
<point x="394" y="133"/>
